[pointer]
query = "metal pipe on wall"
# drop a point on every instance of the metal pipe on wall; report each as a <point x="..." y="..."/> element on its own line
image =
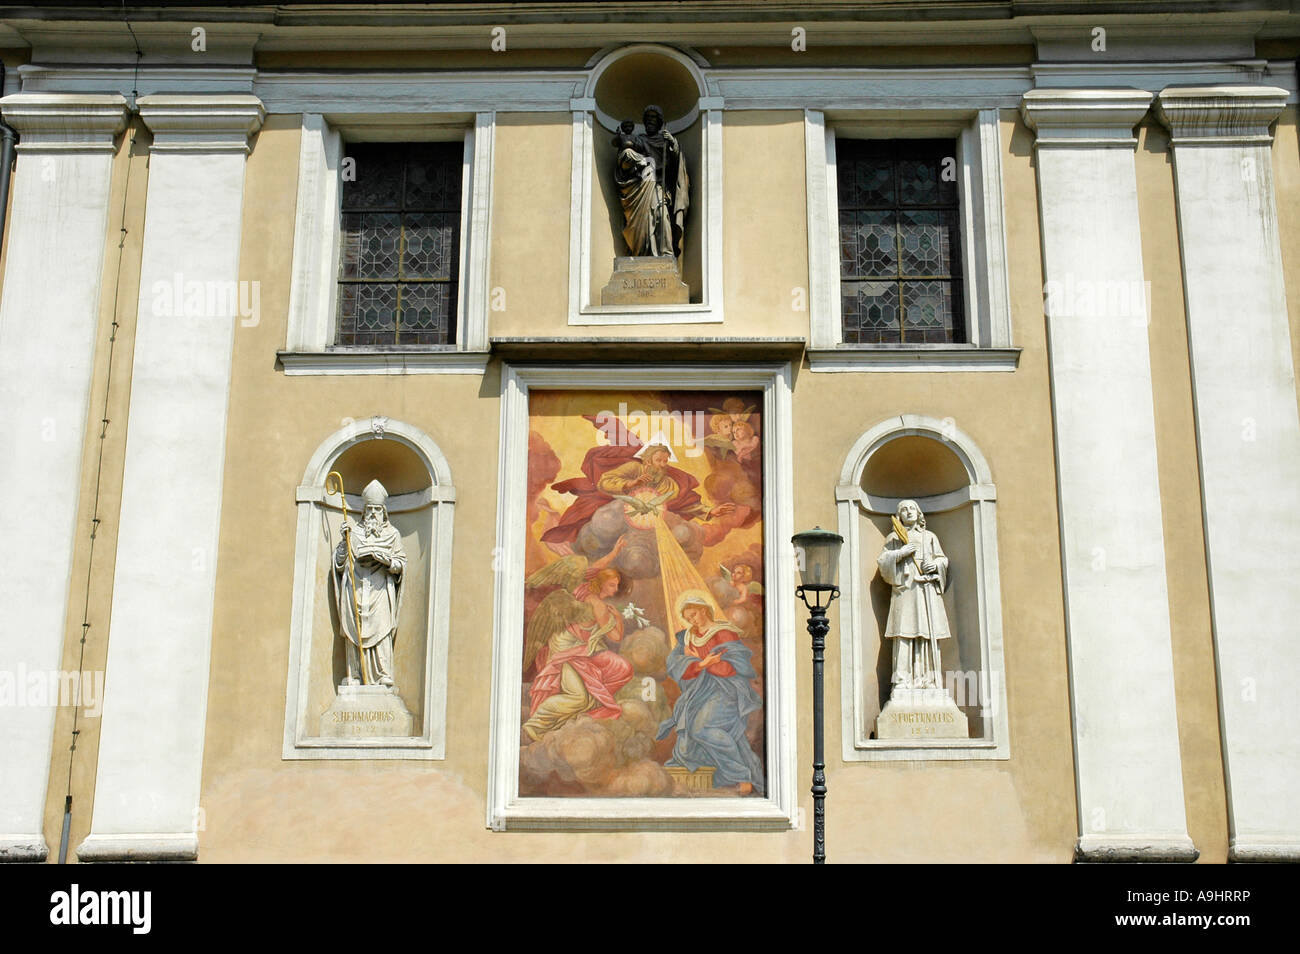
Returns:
<point x="8" y="139"/>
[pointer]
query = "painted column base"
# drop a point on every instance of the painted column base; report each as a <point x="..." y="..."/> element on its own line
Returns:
<point x="151" y="847"/>
<point x="1135" y="849"/>
<point x="23" y="848"/>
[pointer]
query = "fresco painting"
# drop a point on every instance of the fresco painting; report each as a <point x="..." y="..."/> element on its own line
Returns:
<point x="643" y="596"/>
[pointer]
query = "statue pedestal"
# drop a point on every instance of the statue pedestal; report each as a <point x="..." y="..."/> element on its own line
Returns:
<point x="366" y="712"/>
<point x="645" y="280"/>
<point x="921" y="714"/>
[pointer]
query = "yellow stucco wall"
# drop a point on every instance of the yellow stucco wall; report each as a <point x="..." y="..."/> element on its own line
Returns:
<point x="257" y="807"/>
<point x="1196" y="694"/>
<point x="90" y="587"/>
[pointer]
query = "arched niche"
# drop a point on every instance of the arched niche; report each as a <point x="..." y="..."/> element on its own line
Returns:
<point x="421" y="505"/>
<point x="621" y="83"/>
<point x="624" y="80"/>
<point x="935" y="463"/>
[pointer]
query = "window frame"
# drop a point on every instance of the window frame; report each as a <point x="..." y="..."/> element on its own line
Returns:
<point x="896" y="208"/>
<point x="986" y="294"/>
<point x="313" y="300"/>
<point x="778" y="810"/>
<point x="404" y="213"/>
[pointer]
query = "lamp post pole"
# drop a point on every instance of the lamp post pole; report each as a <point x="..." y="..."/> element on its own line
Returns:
<point x="818" y="627"/>
<point x="819" y="554"/>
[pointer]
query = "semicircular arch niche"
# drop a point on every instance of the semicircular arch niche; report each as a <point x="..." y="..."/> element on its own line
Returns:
<point x="621" y="83"/>
<point x="421" y="503"/>
<point x="934" y="463"/>
<point x="626" y="80"/>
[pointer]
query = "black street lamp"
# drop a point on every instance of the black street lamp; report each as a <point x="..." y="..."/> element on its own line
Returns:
<point x="818" y="552"/>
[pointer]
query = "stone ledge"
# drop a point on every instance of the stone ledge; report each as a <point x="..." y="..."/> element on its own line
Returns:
<point x="570" y="349"/>
<point x="1129" y="849"/>
<point x="170" y="847"/>
<point x="913" y="358"/>
<point x="18" y="849"/>
<point x="382" y="362"/>
<point x="1266" y="852"/>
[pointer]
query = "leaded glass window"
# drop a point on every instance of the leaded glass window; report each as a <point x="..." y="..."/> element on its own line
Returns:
<point x="400" y="245"/>
<point x="900" y="241"/>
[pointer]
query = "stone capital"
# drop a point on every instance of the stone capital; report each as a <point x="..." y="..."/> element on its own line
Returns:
<point x="201" y="123"/>
<point x="1074" y="118"/>
<point x="65" y="121"/>
<point x="1219" y="114"/>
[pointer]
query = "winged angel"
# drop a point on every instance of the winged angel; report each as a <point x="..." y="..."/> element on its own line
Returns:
<point x="567" y="638"/>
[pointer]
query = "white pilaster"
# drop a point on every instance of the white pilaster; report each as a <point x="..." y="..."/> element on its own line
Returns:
<point x="48" y="318"/>
<point x="1127" y="764"/>
<point x="155" y="707"/>
<point x="1248" y="436"/>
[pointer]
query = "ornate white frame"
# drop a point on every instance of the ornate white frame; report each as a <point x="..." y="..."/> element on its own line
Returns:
<point x="313" y="292"/>
<point x="312" y="502"/>
<point x="984" y="242"/>
<point x="582" y="311"/>
<point x="778" y="810"/>
<point x="856" y="670"/>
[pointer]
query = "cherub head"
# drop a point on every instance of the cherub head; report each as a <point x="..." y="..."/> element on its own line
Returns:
<point x="721" y="424"/>
<point x="742" y="430"/>
<point x="737" y="408"/>
<point x="742" y="574"/>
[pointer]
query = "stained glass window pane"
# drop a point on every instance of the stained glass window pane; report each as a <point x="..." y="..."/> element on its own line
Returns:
<point x="900" y="244"/>
<point x="400" y="245"/>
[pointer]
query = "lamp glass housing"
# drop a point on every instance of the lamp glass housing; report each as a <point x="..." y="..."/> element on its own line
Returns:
<point x="819" y="558"/>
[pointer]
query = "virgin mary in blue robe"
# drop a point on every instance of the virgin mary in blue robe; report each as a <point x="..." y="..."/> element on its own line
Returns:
<point x="712" y="711"/>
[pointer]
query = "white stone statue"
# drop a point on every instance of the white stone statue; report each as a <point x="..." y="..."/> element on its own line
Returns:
<point x="913" y="564"/>
<point x="367" y="590"/>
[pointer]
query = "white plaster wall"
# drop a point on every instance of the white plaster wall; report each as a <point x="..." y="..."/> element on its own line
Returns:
<point x="155" y="708"/>
<point x="1128" y="766"/>
<point x="1248" y="432"/>
<point x="48" y="318"/>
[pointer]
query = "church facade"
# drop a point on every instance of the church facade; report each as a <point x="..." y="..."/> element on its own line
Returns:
<point x="419" y="401"/>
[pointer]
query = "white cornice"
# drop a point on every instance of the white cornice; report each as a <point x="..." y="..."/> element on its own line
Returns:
<point x="829" y="88"/>
<point x="65" y="120"/>
<point x="383" y="362"/>
<point x="424" y="91"/>
<point x="1220" y="114"/>
<point x="145" y="81"/>
<point x="1085" y="117"/>
<point x="194" y="123"/>
<point x="932" y="358"/>
<point x="1198" y="38"/>
<point x="1155" y="75"/>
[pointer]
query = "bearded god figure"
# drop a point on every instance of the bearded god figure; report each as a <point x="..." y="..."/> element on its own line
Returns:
<point x="367" y="589"/>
